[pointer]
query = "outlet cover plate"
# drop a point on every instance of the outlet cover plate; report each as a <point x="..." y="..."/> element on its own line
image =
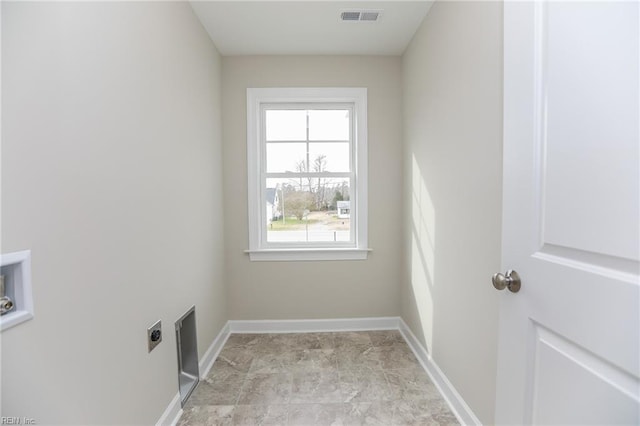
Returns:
<point x="154" y="332"/>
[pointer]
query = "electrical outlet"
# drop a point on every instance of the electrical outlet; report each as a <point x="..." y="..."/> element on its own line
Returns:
<point x="154" y="335"/>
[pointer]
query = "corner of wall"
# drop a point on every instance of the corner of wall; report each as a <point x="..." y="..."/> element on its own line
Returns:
<point x="452" y="131"/>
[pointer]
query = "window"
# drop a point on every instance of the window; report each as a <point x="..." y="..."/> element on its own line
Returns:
<point x="307" y="173"/>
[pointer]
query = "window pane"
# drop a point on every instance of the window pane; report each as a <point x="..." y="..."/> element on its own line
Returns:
<point x="329" y="157"/>
<point x="286" y="125"/>
<point x="308" y="210"/>
<point x="329" y="125"/>
<point x="286" y="157"/>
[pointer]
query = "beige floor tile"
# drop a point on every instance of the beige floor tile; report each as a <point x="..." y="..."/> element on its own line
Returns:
<point x="350" y="357"/>
<point x="395" y="356"/>
<point x="271" y="363"/>
<point x="410" y="384"/>
<point x="322" y="386"/>
<point x="266" y="389"/>
<point x="313" y="360"/>
<point x="364" y="385"/>
<point x="352" y="338"/>
<point x="316" y="414"/>
<point x="219" y="392"/>
<point x="368" y="413"/>
<point x="309" y="379"/>
<point x="260" y="415"/>
<point x="219" y="415"/>
<point x="233" y="359"/>
<point x="385" y="337"/>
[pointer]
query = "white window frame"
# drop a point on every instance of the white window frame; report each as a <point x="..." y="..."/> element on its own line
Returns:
<point x="259" y="248"/>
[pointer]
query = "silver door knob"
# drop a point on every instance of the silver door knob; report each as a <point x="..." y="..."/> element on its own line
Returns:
<point x="510" y="280"/>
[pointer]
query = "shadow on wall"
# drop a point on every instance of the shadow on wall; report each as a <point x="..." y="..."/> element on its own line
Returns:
<point x="422" y="254"/>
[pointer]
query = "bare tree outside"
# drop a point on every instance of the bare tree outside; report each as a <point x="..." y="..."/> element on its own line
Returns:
<point x="320" y="165"/>
<point x="297" y="203"/>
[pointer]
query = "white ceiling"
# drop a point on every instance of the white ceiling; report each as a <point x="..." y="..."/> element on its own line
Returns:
<point x="309" y="27"/>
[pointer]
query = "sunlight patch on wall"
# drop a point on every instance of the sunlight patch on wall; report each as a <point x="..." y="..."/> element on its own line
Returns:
<point x="422" y="254"/>
<point x="423" y="218"/>
<point x="423" y="297"/>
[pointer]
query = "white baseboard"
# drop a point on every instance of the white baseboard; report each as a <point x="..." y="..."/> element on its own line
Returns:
<point x="315" y="325"/>
<point x="172" y="414"/>
<point x="458" y="406"/>
<point x="212" y="353"/>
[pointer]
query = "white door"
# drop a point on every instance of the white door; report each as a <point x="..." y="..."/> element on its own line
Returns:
<point x="569" y="350"/>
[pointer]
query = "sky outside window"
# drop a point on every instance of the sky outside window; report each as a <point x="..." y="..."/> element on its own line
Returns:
<point x="289" y="147"/>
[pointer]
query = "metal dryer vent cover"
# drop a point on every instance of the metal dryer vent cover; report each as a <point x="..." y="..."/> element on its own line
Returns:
<point x="360" y="15"/>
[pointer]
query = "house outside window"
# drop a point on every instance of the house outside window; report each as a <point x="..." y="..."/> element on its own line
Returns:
<point x="343" y="209"/>
<point x="273" y="205"/>
<point x="307" y="173"/>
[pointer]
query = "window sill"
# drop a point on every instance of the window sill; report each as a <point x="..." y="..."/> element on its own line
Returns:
<point x="314" y="254"/>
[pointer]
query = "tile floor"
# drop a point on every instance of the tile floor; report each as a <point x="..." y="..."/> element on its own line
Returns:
<point x="352" y="378"/>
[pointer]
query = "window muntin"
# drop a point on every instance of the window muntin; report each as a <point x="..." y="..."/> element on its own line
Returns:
<point x="268" y="168"/>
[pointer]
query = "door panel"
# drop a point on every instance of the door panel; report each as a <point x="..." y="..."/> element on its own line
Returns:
<point x="606" y="396"/>
<point x="589" y="127"/>
<point x="569" y="343"/>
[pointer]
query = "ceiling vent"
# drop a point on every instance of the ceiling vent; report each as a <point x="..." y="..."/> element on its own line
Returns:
<point x="360" y="15"/>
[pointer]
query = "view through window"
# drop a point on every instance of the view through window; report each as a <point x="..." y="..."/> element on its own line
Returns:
<point x="307" y="173"/>
<point x="307" y="176"/>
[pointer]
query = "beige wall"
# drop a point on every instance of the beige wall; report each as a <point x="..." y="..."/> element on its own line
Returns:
<point x="116" y="175"/>
<point x="452" y="107"/>
<point x="111" y="176"/>
<point x="296" y="290"/>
